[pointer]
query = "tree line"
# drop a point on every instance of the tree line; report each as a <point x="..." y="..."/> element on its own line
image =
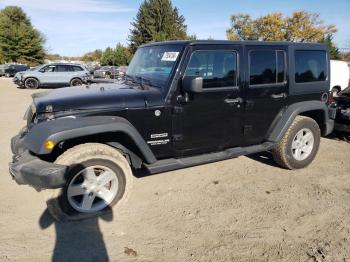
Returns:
<point x="159" y="20"/>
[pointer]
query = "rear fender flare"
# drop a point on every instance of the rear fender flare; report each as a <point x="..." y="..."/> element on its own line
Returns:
<point x="286" y="118"/>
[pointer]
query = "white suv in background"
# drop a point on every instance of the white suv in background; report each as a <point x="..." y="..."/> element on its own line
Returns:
<point x="340" y="76"/>
<point x="58" y="74"/>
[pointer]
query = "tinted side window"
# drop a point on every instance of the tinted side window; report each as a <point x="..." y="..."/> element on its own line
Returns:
<point x="310" y="66"/>
<point x="49" y="68"/>
<point x="267" y="67"/>
<point x="77" y="68"/>
<point x="262" y="67"/>
<point x="62" y="68"/>
<point x="218" y="68"/>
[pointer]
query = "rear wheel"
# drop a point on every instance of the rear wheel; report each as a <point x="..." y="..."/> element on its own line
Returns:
<point x="76" y="82"/>
<point x="7" y="75"/>
<point x="299" y="145"/>
<point x="31" y="83"/>
<point x="99" y="177"/>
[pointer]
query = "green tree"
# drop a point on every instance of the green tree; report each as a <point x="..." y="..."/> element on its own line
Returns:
<point x="156" y="20"/>
<point x="92" y="56"/>
<point x="107" y="57"/>
<point x="122" y="55"/>
<point x="19" y="40"/>
<point x="333" y="50"/>
<point x="300" y="27"/>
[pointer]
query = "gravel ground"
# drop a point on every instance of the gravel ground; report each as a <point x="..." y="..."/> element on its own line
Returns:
<point x="244" y="209"/>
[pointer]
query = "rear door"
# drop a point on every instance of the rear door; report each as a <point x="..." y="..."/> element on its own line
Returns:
<point x="63" y="74"/>
<point x="211" y="120"/>
<point x="266" y="90"/>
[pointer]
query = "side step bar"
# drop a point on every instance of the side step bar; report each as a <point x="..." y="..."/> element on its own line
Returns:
<point x="177" y="163"/>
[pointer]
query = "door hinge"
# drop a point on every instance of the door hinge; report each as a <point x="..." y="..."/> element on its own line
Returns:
<point x="177" y="138"/>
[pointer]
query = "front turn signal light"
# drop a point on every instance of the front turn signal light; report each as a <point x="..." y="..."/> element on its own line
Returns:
<point x="49" y="144"/>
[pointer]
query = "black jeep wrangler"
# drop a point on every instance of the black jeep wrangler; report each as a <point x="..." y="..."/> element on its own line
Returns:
<point x="183" y="103"/>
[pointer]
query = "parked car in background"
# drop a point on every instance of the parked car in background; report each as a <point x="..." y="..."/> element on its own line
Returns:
<point x="342" y="103"/>
<point x="58" y="74"/>
<point x="119" y="73"/>
<point x="105" y="71"/>
<point x="9" y="70"/>
<point x="340" y="76"/>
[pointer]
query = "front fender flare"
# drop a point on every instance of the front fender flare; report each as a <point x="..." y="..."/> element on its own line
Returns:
<point x="66" y="128"/>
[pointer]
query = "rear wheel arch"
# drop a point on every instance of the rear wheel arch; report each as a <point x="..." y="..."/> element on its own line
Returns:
<point x="316" y="110"/>
<point x="317" y="115"/>
<point x="71" y="82"/>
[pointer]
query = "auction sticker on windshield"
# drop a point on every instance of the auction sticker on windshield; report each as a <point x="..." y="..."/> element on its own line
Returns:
<point x="170" y="56"/>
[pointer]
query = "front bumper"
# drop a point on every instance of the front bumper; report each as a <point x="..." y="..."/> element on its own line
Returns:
<point x="17" y="81"/>
<point x="27" y="169"/>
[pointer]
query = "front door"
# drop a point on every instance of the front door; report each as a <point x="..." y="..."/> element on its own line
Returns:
<point x="48" y="74"/>
<point x="210" y="120"/>
<point x="266" y="90"/>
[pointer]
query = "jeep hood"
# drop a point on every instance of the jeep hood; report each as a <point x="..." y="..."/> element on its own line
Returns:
<point x="96" y="96"/>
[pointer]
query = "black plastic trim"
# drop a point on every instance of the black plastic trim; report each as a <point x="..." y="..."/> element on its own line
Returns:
<point x="73" y="127"/>
<point x="292" y="111"/>
<point x="178" y="163"/>
<point x="31" y="170"/>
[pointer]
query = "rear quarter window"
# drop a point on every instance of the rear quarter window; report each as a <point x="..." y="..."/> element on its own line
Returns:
<point x="77" y="68"/>
<point x="310" y="66"/>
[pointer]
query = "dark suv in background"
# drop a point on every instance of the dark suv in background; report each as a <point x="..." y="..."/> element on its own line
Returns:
<point x="9" y="70"/>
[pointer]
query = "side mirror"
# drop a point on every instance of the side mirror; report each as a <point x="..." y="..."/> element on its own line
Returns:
<point x="192" y="84"/>
<point x="42" y="71"/>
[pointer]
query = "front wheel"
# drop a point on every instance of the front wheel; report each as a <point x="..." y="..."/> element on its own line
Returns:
<point x="99" y="178"/>
<point x="31" y="83"/>
<point x="299" y="145"/>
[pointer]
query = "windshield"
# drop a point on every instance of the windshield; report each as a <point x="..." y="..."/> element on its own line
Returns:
<point x="154" y="63"/>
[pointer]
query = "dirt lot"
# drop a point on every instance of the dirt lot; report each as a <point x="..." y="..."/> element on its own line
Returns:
<point x="245" y="209"/>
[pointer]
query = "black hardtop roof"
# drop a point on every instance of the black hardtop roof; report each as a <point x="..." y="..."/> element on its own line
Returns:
<point x="228" y="42"/>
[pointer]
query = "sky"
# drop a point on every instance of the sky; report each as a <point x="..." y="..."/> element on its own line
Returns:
<point x="74" y="27"/>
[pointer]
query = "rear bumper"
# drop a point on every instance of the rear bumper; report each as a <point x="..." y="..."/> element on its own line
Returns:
<point x="27" y="169"/>
<point x="342" y="127"/>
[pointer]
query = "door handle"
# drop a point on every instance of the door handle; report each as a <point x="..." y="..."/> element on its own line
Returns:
<point x="237" y="100"/>
<point x="277" y="96"/>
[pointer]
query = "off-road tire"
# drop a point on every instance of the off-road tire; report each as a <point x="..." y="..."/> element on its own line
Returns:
<point x="31" y="83"/>
<point x="282" y="153"/>
<point x="82" y="155"/>
<point x="76" y="82"/>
